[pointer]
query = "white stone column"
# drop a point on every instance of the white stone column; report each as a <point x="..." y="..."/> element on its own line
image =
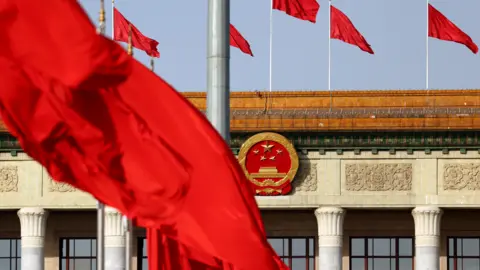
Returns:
<point x="114" y="240"/>
<point x="427" y="237"/>
<point x="330" y="237"/>
<point x="33" y="222"/>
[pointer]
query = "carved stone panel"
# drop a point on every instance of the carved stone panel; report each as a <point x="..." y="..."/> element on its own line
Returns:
<point x="306" y="179"/>
<point x="55" y="186"/>
<point x="378" y="177"/>
<point x="465" y="176"/>
<point x="9" y="179"/>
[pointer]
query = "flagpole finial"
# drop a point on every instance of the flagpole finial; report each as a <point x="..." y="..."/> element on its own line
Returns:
<point x="101" y="18"/>
<point x="130" y="47"/>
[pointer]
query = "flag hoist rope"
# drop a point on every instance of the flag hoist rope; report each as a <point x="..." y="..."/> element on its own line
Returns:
<point x="101" y="206"/>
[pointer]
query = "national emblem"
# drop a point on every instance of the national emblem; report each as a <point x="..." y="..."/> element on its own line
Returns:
<point x="270" y="162"/>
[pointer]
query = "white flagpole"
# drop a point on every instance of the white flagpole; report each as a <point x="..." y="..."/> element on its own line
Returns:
<point x="426" y="60"/>
<point x="128" y="242"/>
<point x="271" y="48"/>
<point x="330" y="51"/>
<point x="101" y="206"/>
<point x="113" y="22"/>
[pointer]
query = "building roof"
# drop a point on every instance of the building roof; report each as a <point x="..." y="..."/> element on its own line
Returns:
<point x="351" y="110"/>
<point x="416" y="110"/>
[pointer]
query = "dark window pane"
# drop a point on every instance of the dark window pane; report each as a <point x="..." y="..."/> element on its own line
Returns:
<point x="357" y="246"/>
<point x="299" y="247"/>
<point x="82" y="264"/>
<point x="451" y="247"/>
<point x="19" y="263"/>
<point x="144" y="264"/>
<point x="144" y="249"/>
<point x="357" y="264"/>
<point x="393" y="246"/>
<point x="381" y="247"/>
<point x="83" y="248"/>
<point x="311" y="264"/>
<point x="299" y="264"/>
<point x="5" y="248"/>
<point x="459" y="247"/>
<point x="311" y="247"/>
<point x="405" y="264"/>
<point x="4" y="263"/>
<point x="370" y="246"/>
<point x="471" y="264"/>
<point x="405" y="247"/>
<point x="451" y="264"/>
<point x="286" y="247"/>
<point x="19" y="248"/>
<point x="381" y="264"/>
<point x="286" y="261"/>
<point x="470" y="247"/>
<point x="94" y="247"/>
<point x="63" y="262"/>
<point x="277" y="245"/>
<point x="370" y="264"/>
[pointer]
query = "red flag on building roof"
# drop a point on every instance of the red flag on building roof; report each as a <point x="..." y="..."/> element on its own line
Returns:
<point x="238" y="41"/>
<point x="302" y="9"/>
<point x="87" y="124"/>
<point x="442" y="28"/>
<point x="342" y="28"/>
<point x="121" y="28"/>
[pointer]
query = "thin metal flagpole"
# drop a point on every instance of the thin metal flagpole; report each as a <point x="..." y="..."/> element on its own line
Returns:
<point x="101" y="206"/>
<point x="426" y="48"/>
<point x="152" y="64"/>
<point x="330" y="52"/>
<point x="270" y="66"/>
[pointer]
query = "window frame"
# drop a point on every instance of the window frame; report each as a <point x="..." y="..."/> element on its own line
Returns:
<point x="307" y="255"/>
<point x="67" y="258"/>
<point x="142" y="240"/>
<point x="12" y="250"/>
<point x="455" y="257"/>
<point x="366" y="257"/>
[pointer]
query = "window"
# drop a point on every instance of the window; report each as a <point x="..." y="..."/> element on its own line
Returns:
<point x="463" y="253"/>
<point x="10" y="253"/>
<point x="142" y="261"/>
<point x="78" y="254"/>
<point x="297" y="253"/>
<point x="383" y="253"/>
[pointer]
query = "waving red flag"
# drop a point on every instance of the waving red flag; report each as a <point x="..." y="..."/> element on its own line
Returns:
<point x="87" y="124"/>
<point x="302" y="9"/>
<point x="120" y="33"/>
<point x="343" y="29"/>
<point x="238" y="41"/>
<point x="442" y="28"/>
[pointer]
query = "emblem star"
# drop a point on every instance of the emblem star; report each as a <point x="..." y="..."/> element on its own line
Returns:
<point x="272" y="158"/>
<point x="263" y="158"/>
<point x="256" y="151"/>
<point x="267" y="147"/>
<point x="279" y="151"/>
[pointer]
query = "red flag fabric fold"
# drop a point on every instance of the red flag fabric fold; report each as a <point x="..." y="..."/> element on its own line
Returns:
<point x="342" y="28"/>
<point x="89" y="127"/>
<point x="301" y="9"/>
<point x="442" y="28"/>
<point x="120" y="33"/>
<point x="238" y="41"/>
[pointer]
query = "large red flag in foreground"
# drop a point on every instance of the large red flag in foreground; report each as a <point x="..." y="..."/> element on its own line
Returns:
<point x="302" y="9"/>
<point x="121" y="28"/>
<point x="238" y="41"/>
<point x="342" y="28"/>
<point x="442" y="28"/>
<point x="73" y="103"/>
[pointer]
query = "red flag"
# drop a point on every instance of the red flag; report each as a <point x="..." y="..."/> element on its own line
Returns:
<point x="442" y="28"/>
<point x="237" y="40"/>
<point x="103" y="138"/>
<point x="120" y="33"/>
<point x="302" y="9"/>
<point x="343" y="29"/>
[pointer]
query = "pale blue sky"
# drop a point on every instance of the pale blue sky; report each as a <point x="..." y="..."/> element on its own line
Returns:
<point x="396" y="29"/>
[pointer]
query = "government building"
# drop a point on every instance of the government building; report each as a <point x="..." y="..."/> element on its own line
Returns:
<point x="346" y="180"/>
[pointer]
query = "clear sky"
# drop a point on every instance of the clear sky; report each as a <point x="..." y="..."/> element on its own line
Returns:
<point x="396" y="30"/>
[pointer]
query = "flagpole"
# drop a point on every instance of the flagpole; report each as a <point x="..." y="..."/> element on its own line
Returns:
<point x="113" y="21"/>
<point x="101" y="206"/>
<point x="152" y="64"/>
<point x="330" y="51"/>
<point x="426" y="62"/>
<point x="218" y="66"/>
<point x="271" y="49"/>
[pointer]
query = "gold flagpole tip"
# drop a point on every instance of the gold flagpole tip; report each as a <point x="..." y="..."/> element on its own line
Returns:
<point x="130" y="47"/>
<point x="101" y="18"/>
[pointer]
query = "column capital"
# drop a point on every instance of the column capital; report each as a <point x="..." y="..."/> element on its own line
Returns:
<point x="330" y="225"/>
<point x="32" y="222"/>
<point x="114" y="228"/>
<point x="427" y="225"/>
